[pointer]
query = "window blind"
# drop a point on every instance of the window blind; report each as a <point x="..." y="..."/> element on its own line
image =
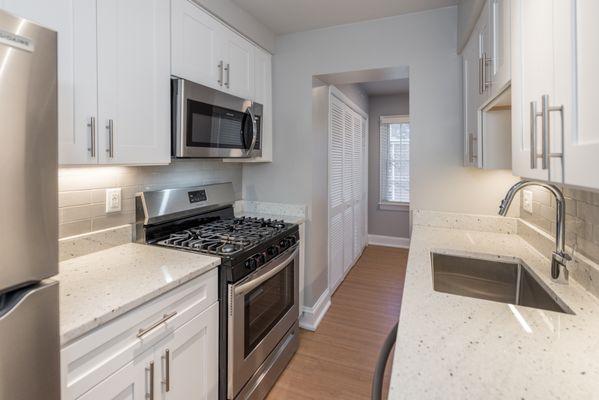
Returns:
<point x="395" y="159"/>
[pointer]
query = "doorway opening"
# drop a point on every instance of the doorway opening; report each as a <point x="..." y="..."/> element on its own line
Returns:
<point x="364" y="118"/>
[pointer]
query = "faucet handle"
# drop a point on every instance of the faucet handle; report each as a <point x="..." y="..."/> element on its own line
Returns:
<point x="559" y="270"/>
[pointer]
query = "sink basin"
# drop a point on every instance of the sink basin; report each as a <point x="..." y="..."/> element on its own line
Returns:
<point x="500" y="281"/>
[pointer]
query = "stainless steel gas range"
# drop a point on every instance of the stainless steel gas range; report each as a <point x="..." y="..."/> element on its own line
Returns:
<point x="259" y="272"/>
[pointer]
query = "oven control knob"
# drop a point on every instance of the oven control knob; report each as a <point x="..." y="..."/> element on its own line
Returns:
<point x="250" y="263"/>
<point x="272" y="251"/>
<point x="258" y="260"/>
<point x="283" y="244"/>
<point x="291" y="240"/>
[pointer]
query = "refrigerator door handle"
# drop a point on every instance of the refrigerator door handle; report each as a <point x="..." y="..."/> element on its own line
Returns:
<point x="30" y="351"/>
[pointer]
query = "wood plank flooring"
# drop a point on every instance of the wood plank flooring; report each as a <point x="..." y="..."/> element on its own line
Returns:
<point x="337" y="361"/>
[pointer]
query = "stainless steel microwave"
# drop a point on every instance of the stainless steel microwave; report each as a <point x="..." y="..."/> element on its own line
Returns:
<point x="207" y="123"/>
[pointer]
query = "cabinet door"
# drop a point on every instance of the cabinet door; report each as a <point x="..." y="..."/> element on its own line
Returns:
<point x="134" y="81"/>
<point x="471" y="82"/>
<point x="197" y="45"/>
<point x="263" y="95"/>
<point x="577" y="63"/>
<point x="189" y="359"/>
<point x="239" y="65"/>
<point x="500" y="67"/>
<point x="532" y="77"/>
<point x="483" y="31"/>
<point x="131" y="382"/>
<point x="59" y="16"/>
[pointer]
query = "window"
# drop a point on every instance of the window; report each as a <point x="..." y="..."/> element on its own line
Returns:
<point x="395" y="161"/>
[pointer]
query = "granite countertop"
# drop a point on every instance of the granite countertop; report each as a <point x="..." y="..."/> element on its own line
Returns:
<point x="292" y="219"/>
<point x="99" y="287"/>
<point x="453" y="347"/>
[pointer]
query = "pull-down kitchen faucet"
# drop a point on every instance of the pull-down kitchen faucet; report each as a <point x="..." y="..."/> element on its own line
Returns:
<point x="559" y="271"/>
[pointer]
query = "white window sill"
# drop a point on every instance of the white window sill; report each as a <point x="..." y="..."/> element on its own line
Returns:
<point x="393" y="206"/>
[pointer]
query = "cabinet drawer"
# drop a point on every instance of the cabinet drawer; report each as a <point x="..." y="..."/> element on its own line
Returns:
<point x="96" y="355"/>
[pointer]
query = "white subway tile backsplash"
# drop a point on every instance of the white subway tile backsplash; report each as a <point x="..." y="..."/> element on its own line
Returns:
<point x="82" y="196"/>
<point x="74" y="228"/>
<point x="582" y="218"/>
<point x="74" y="198"/>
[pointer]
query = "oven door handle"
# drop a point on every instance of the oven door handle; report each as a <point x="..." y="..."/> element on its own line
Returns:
<point x="257" y="281"/>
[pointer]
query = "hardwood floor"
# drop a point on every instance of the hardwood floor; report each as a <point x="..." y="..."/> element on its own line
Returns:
<point x="337" y="361"/>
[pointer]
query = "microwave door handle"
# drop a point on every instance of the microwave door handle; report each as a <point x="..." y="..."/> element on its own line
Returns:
<point x="254" y="130"/>
<point x="254" y="283"/>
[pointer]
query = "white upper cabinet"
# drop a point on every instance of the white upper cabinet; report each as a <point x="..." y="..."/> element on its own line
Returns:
<point x="197" y="45"/>
<point x="470" y="93"/>
<point x="532" y="77"/>
<point x="554" y="91"/>
<point x="113" y="65"/>
<point x="263" y="95"/>
<point x="58" y="15"/>
<point x="486" y="78"/>
<point x="239" y="66"/>
<point x="576" y="36"/>
<point x="206" y="51"/>
<point x="133" y="81"/>
<point x="500" y="68"/>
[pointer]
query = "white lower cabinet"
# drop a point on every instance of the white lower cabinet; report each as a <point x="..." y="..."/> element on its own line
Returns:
<point x="132" y="382"/>
<point x="189" y="360"/>
<point x="182" y="366"/>
<point x="168" y="345"/>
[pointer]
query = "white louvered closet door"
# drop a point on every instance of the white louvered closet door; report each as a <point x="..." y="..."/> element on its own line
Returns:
<point x="336" y="202"/>
<point x="357" y="185"/>
<point x="346" y="189"/>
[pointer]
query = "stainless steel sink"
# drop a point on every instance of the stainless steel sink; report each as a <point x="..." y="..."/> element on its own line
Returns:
<point x="500" y="281"/>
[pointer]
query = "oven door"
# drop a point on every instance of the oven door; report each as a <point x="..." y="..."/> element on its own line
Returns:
<point x="209" y="123"/>
<point x="262" y="308"/>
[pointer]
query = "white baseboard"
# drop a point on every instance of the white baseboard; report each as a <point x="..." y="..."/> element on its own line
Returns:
<point x="389" y="241"/>
<point x="312" y="316"/>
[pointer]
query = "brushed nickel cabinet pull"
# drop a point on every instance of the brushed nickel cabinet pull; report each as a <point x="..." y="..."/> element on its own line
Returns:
<point x="110" y="149"/>
<point x="228" y="69"/>
<point x="150" y="395"/>
<point x="164" y="318"/>
<point x="220" y="73"/>
<point x="92" y="126"/>
<point x="167" y="362"/>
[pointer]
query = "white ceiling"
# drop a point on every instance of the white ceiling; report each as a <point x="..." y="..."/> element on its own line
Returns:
<point x="382" y="88"/>
<point x="286" y="16"/>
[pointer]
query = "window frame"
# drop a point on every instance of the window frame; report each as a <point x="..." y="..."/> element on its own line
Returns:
<point x="387" y="205"/>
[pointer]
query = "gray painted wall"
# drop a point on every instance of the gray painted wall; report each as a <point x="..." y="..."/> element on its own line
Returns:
<point x="383" y="222"/>
<point x="299" y="171"/>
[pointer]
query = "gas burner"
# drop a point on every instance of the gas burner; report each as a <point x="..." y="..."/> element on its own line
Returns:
<point x="226" y="237"/>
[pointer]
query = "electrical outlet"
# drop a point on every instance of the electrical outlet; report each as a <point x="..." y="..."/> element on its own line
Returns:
<point x="527" y="200"/>
<point x="113" y="200"/>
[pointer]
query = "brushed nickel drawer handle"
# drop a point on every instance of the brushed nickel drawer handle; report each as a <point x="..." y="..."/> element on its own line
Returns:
<point x="151" y="394"/>
<point x="167" y="379"/>
<point x="164" y="318"/>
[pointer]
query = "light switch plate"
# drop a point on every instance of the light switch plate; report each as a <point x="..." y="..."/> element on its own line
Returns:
<point x="527" y="200"/>
<point x="113" y="200"/>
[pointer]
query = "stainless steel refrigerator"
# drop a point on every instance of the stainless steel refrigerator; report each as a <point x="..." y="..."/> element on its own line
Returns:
<point x="29" y="336"/>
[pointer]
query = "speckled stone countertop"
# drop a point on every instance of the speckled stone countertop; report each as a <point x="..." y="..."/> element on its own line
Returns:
<point x="98" y="287"/>
<point x="453" y="347"/>
<point x="292" y="219"/>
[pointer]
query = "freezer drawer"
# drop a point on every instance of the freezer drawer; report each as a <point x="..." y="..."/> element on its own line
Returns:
<point x="29" y="344"/>
<point x="29" y="153"/>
